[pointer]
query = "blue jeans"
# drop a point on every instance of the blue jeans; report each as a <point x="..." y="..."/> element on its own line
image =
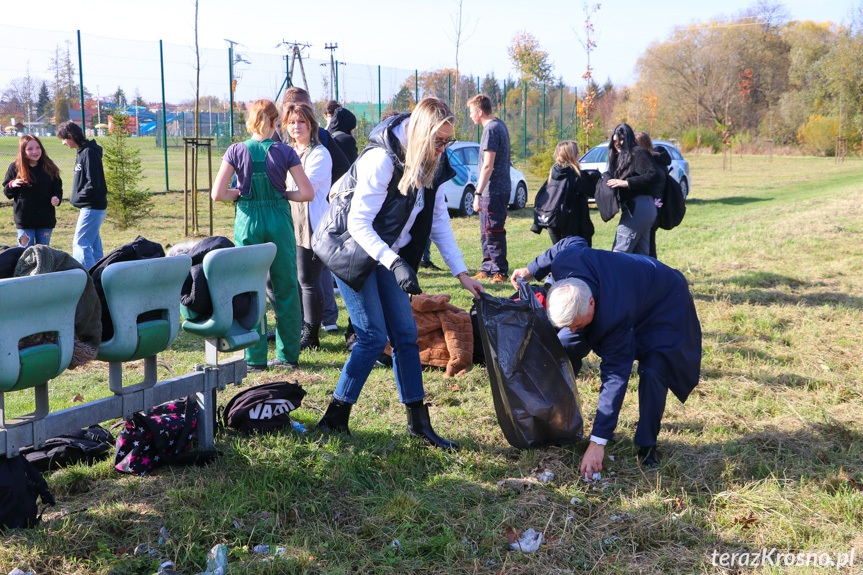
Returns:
<point x="381" y="310"/>
<point x="87" y="244"/>
<point x="38" y="236"/>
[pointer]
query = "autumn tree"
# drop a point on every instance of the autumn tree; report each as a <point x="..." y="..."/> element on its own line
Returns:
<point x="529" y="59"/>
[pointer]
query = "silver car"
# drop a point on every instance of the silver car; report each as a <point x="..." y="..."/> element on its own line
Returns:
<point x="464" y="158"/>
<point x="597" y="159"/>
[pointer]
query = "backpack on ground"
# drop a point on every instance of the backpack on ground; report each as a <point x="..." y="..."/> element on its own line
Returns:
<point x="20" y="486"/>
<point x="263" y="408"/>
<point x="673" y="208"/>
<point x="163" y="437"/>
<point x="82" y="445"/>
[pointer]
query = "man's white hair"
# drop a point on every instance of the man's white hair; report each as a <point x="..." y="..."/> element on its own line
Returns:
<point x="567" y="300"/>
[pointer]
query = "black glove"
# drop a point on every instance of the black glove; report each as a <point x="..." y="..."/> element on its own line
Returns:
<point x="406" y="277"/>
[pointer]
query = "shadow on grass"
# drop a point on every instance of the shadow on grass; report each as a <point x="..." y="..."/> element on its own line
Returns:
<point x="729" y="201"/>
<point x="772" y="297"/>
<point x="814" y="449"/>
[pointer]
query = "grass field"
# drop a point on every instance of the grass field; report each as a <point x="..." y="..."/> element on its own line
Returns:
<point x="765" y="454"/>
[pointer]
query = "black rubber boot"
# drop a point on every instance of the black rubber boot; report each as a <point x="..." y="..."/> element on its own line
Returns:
<point x="310" y="338"/>
<point x="336" y="417"/>
<point x="419" y="425"/>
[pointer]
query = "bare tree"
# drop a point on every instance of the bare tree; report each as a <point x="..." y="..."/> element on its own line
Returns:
<point x="197" y="73"/>
<point x="460" y="35"/>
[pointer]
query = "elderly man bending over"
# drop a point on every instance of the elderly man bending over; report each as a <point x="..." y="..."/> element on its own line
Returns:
<point x="624" y="307"/>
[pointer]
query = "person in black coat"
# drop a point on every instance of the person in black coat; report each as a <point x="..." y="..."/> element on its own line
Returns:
<point x="341" y="126"/>
<point x="635" y="178"/>
<point x="625" y="308"/>
<point x="33" y="184"/>
<point x="561" y="204"/>
<point x="663" y="161"/>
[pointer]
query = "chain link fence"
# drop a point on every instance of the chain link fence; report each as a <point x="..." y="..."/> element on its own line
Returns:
<point x="46" y="76"/>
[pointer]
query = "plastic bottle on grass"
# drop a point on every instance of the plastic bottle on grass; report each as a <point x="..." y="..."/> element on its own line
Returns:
<point x="217" y="561"/>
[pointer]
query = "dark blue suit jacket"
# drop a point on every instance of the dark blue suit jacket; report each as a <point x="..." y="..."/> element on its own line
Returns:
<point x="643" y="310"/>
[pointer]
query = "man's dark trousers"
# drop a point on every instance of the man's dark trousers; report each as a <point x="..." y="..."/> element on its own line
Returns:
<point x="492" y="217"/>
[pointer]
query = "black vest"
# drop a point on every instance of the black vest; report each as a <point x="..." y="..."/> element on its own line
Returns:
<point x="333" y="243"/>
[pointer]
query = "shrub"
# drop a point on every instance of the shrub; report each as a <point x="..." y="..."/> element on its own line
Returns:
<point x="709" y="139"/>
<point x="818" y="134"/>
<point x="126" y="203"/>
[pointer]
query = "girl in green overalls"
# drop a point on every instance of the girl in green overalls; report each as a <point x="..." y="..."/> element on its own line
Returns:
<point x="264" y="215"/>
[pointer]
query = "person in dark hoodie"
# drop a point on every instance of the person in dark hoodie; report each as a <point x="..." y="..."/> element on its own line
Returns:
<point x="636" y="179"/>
<point x="663" y="161"/>
<point x="89" y="194"/>
<point x="341" y="127"/>
<point x="561" y="204"/>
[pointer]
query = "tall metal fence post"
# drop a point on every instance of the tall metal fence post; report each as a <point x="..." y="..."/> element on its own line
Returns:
<point x="380" y="97"/>
<point x="416" y="87"/>
<point x="524" y="122"/>
<point x="478" y="136"/>
<point x="337" y="80"/>
<point x="81" y="81"/>
<point x="543" y="113"/>
<point x="230" y="88"/>
<point x="560" y="126"/>
<point x="504" y="100"/>
<point x="164" y="116"/>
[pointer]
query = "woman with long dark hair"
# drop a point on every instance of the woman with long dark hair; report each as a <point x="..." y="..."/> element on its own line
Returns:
<point x="33" y="184"/>
<point x="381" y="215"/>
<point x="635" y="178"/>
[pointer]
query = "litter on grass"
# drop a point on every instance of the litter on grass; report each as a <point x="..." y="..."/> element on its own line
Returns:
<point x="529" y="542"/>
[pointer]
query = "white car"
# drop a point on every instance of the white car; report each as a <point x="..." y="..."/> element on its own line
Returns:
<point x="597" y="159"/>
<point x="459" y="191"/>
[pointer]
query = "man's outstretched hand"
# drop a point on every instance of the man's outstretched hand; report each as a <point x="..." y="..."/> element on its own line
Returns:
<point x="520" y="273"/>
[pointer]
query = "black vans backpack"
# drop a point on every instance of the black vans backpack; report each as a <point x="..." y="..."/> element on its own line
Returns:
<point x="20" y="486"/>
<point x="673" y="207"/>
<point x="264" y="407"/>
<point x="81" y="445"/>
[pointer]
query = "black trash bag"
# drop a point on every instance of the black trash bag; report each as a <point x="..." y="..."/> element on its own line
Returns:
<point x="532" y="382"/>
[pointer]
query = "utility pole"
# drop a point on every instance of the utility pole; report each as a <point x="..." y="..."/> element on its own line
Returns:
<point x="332" y="48"/>
<point x="231" y="45"/>
<point x="295" y="49"/>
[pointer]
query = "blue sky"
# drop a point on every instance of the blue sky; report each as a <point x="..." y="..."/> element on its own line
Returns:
<point x="404" y="34"/>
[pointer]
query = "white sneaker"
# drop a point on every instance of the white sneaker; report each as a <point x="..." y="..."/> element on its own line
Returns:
<point x="331" y="327"/>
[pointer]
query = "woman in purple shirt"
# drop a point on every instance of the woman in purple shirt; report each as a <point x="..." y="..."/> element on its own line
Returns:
<point x="264" y="215"/>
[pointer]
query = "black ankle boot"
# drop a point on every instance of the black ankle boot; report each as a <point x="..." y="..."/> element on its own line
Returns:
<point x="336" y="417"/>
<point x="420" y="426"/>
<point x="310" y="339"/>
<point x="649" y="456"/>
